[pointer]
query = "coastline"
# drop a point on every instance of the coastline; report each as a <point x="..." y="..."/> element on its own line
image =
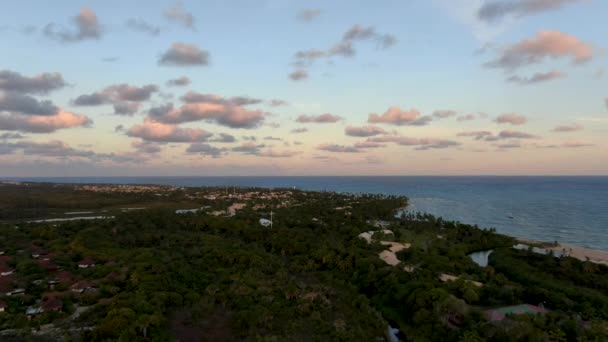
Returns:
<point x="581" y="253"/>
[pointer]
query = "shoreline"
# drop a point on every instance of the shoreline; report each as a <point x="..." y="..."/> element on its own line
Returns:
<point x="581" y="253"/>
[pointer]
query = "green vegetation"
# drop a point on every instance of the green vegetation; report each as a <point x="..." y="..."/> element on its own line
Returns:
<point x="163" y="276"/>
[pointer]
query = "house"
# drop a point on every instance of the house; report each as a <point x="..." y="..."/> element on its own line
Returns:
<point x="65" y="277"/>
<point x="3" y="306"/>
<point x="16" y="292"/>
<point x="86" y="263"/>
<point x="83" y="286"/>
<point x="52" y="304"/>
<point x="37" y="252"/>
<point x="5" y="270"/>
<point x="49" y="266"/>
<point x="32" y="312"/>
<point x="265" y="222"/>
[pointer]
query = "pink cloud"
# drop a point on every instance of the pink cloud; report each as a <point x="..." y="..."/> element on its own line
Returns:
<point x="576" y="144"/>
<point x="546" y="44"/>
<point x="537" y="77"/>
<point x="395" y="116"/>
<point x="568" y="128"/>
<point x="159" y="132"/>
<point x="423" y="143"/>
<point x="511" y="118"/>
<point x="323" y="118"/>
<point x="43" y="123"/>
<point x="220" y="112"/>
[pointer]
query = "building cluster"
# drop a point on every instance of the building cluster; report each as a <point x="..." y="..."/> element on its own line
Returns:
<point x="127" y="188"/>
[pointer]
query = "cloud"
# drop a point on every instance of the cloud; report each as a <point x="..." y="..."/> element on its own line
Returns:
<point x="368" y="144"/>
<point x="309" y="15"/>
<point x="575" y="144"/>
<point x="298" y="75"/>
<point x="9" y="135"/>
<point x="478" y="135"/>
<point x="278" y="103"/>
<point x="86" y="27"/>
<point x="422" y="143"/>
<point x="468" y="117"/>
<point x="225" y="112"/>
<point x="249" y="148"/>
<point x="125" y="98"/>
<point x="515" y="135"/>
<point x="109" y="59"/>
<point x="442" y="114"/>
<point x="299" y="130"/>
<point x="119" y="128"/>
<point x="509" y="145"/>
<point x="323" y="118"/>
<point x="568" y="128"/>
<point x="224" y="138"/>
<point x="364" y="131"/>
<point x="606" y="102"/>
<point x="179" y="82"/>
<point x="43" y="124"/>
<point x="537" y="77"/>
<point x="338" y="148"/>
<point x="194" y="97"/>
<point x="270" y="153"/>
<point x="178" y="14"/>
<point x="205" y="150"/>
<point x="25" y="104"/>
<point x="395" y="116"/>
<point x="39" y="84"/>
<point x="511" y="118"/>
<point x="495" y="10"/>
<point x="140" y="25"/>
<point x="553" y="44"/>
<point x="146" y="147"/>
<point x="269" y="137"/>
<point x="182" y="54"/>
<point x="159" y="132"/>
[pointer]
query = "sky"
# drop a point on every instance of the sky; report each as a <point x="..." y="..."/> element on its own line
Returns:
<point x="303" y="87"/>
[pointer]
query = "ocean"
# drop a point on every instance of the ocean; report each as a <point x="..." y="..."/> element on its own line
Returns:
<point x="570" y="210"/>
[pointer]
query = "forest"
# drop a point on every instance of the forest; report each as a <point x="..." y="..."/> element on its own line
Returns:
<point x="217" y="274"/>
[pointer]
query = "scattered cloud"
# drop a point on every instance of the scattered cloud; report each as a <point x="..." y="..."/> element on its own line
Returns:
<point x="179" y="82"/>
<point x="364" y="131"/>
<point x="119" y="128"/>
<point x="25" y="104"/>
<point x="515" y="135"/>
<point x="109" y="59"/>
<point x="205" y="150"/>
<point x="226" y="112"/>
<point x="338" y="148"/>
<point x="537" y="77"/>
<point x="178" y="14"/>
<point x="223" y="138"/>
<point x="43" y="124"/>
<point x="39" y="84"/>
<point x="509" y="145"/>
<point x="495" y="10"/>
<point x="183" y="54"/>
<point x="323" y="118"/>
<point x="568" y="128"/>
<point x="194" y="97"/>
<point x="278" y="103"/>
<point x="86" y="26"/>
<point x="511" y="118"/>
<point x="467" y="117"/>
<point x="442" y="114"/>
<point x="298" y="75"/>
<point x="249" y="148"/>
<point x="269" y="137"/>
<point x="553" y="44"/>
<point x="159" y="132"/>
<point x="140" y="25"/>
<point x="270" y="153"/>
<point x="146" y="147"/>
<point x="396" y="116"/>
<point x="421" y="143"/>
<point x="309" y="15"/>
<point x="478" y="135"/>
<point x="9" y="135"/>
<point x="575" y="144"/>
<point x="299" y="130"/>
<point x="125" y="98"/>
<point x="368" y="144"/>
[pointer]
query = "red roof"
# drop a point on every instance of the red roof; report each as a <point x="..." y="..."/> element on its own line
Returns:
<point x="6" y="258"/>
<point x="52" y="304"/>
<point x="47" y="265"/>
<point x="3" y="305"/>
<point x="6" y="283"/>
<point x="86" y="262"/>
<point x="83" y="285"/>
<point x="4" y="268"/>
<point x="65" y="277"/>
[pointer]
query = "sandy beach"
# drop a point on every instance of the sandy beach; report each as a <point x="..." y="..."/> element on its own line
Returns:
<point x="581" y="253"/>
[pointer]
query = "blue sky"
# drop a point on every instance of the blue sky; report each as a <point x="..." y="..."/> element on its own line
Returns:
<point x="436" y="62"/>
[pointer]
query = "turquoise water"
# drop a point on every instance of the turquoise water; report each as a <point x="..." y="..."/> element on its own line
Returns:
<point x="570" y="210"/>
